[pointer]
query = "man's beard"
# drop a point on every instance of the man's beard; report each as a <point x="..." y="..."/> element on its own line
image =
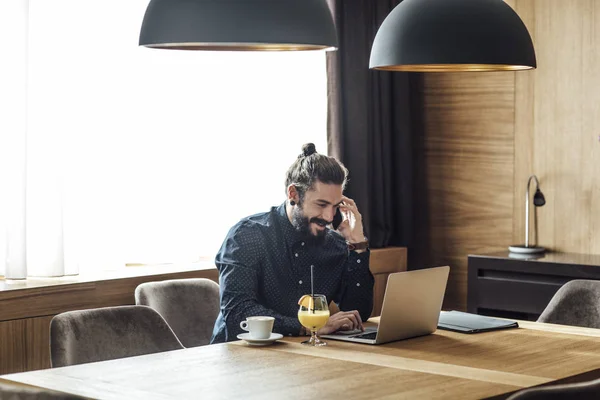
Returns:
<point x="302" y="225"/>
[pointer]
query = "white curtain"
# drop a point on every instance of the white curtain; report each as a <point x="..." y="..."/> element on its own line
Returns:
<point x="139" y="156"/>
<point x="13" y="128"/>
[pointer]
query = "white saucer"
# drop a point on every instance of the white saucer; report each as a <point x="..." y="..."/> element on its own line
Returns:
<point x="260" y="342"/>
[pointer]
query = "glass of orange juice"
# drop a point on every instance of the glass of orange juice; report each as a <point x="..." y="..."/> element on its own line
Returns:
<point x="313" y="314"/>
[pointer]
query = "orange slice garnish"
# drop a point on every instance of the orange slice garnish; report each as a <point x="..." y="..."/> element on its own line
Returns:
<point x="305" y="301"/>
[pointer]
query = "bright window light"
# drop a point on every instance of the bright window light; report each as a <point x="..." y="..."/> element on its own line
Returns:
<point x="150" y="156"/>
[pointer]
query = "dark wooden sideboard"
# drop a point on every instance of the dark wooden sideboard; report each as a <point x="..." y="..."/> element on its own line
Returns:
<point x="518" y="286"/>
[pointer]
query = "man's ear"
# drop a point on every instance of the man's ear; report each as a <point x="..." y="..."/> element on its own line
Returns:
<point x="292" y="193"/>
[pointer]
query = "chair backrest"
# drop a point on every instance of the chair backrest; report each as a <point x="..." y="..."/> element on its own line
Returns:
<point x="99" y="334"/>
<point x="190" y="306"/>
<point x="16" y="391"/>
<point x="580" y="391"/>
<point x="576" y="303"/>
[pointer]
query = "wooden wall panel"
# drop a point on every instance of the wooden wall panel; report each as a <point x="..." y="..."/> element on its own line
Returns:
<point x="484" y="134"/>
<point x="468" y="149"/>
<point x="557" y="124"/>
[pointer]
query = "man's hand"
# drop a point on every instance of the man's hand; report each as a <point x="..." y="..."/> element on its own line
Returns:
<point x="342" y="321"/>
<point x="351" y="227"/>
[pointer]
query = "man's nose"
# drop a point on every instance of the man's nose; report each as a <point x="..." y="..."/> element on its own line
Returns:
<point x="328" y="214"/>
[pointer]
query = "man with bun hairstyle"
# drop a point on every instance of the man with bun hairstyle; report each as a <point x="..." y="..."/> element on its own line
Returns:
<point x="265" y="261"/>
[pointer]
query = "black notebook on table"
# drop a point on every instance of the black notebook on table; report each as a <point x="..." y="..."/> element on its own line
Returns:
<point x="472" y="323"/>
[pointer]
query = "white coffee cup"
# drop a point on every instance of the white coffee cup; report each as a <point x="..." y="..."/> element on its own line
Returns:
<point x="259" y="327"/>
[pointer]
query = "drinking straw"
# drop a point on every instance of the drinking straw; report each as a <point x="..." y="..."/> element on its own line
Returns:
<point x="312" y="288"/>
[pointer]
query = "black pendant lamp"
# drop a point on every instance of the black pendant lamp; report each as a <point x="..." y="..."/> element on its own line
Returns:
<point x="452" y="35"/>
<point x="238" y="25"/>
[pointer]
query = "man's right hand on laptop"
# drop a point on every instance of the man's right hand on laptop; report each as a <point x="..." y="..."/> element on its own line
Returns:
<point x="342" y="321"/>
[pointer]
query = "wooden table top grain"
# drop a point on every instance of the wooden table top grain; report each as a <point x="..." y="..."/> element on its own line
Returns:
<point x="437" y="366"/>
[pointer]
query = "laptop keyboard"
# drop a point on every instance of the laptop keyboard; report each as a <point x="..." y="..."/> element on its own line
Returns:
<point x="369" y="336"/>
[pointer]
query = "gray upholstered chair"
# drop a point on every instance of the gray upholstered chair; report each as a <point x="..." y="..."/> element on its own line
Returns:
<point x="99" y="334"/>
<point x="190" y="306"/>
<point x="10" y="391"/>
<point x="576" y="303"/>
<point x="580" y="391"/>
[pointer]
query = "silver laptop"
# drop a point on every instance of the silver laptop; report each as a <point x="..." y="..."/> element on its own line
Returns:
<point x="411" y="307"/>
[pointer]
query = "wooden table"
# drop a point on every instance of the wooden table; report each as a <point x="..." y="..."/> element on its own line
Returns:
<point x="442" y="365"/>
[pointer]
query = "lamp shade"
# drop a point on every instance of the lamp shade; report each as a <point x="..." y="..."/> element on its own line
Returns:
<point x="452" y="35"/>
<point x="237" y="25"/>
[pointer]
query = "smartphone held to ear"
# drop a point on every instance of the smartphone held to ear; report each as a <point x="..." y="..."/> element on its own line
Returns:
<point x="337" y="219"/>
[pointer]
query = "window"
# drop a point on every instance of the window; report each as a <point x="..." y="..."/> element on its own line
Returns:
<point x="137" y="155"/>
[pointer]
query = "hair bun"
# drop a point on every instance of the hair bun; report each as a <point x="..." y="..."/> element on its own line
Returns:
<point x="308" y="149"/>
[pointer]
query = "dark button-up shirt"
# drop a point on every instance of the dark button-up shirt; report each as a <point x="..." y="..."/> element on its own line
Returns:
<point x="264" y="269"/>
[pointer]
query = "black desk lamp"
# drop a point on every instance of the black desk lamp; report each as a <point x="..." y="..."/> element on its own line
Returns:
<point x="538" y="201"/>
